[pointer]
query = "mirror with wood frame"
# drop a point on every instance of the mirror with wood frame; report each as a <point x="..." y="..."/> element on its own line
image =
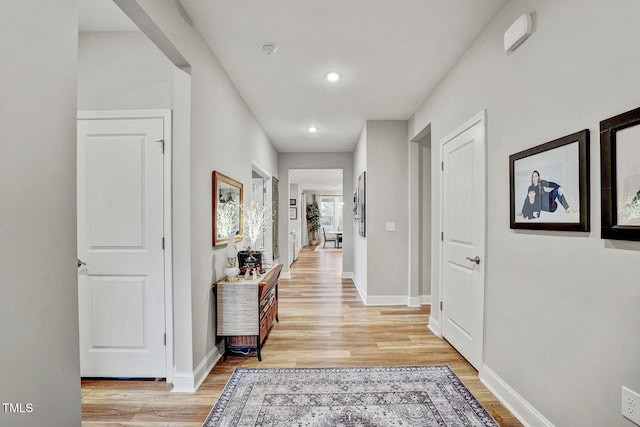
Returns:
<point x="227" y="208"/>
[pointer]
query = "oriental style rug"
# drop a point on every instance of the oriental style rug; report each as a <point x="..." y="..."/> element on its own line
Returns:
<point x="347" y="397"/>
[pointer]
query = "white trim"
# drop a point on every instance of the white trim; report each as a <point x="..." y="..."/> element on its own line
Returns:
<point x="363" y="296"/>
<point x="434" y="326"/>
<point x="165" y="115"/>
<point x="347" y="275"/>
<point x="425" y="299"/>
<point x="190" y="382"/>
<point x="414" y="302"/>
<point x="387" y="300"/>
<point x="516" y="404"/>
<point x="285" y="274"/>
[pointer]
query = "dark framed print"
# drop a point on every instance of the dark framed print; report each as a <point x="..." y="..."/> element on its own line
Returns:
<point x="292" y="202"/>
<point x="293" y="212"/>
<point x="227" y="208"/>
<point x="620" y="176"/>
<point x="362" y="204"/>
<point x="549" y="185"/>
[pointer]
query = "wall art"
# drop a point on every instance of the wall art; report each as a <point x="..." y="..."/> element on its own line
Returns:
<point x="549" y="185"/>
<point x="620" y="176"/>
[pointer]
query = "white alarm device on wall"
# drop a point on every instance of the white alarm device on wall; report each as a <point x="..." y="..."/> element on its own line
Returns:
<point x="517" y="33"/>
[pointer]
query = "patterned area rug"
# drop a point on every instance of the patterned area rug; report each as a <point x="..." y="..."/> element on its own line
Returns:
<point x="347" y="397"/>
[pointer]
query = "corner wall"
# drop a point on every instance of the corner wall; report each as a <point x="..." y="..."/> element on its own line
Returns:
<point x="223" y="132"/>
<point x="39" y="360"/>
<point x="562" y="308"/>
<point x="387" y="202"/>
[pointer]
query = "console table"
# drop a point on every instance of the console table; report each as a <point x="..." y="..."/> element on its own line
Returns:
<point x="246" y="311"/>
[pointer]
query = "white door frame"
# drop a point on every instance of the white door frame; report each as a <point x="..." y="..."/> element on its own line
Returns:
<point x="482" y="118"/>
<point x="165" y="115"/>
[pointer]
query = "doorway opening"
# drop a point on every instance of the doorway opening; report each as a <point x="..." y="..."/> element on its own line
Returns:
<point x="420" y="214"/>
<point x="322" y="189"/>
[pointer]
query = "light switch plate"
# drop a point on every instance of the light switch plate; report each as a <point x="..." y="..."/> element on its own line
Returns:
<point x="391" y="226"/>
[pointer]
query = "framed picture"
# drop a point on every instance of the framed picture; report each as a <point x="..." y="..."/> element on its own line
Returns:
<point x="362" y="204"/>
<point x="620" y="176"/>
<point x="549" y="185"/>
<point x="275" y="217"/>
<point x="293" y="213"/>
<point x="227" y="202"/>
<point x="292" y="202"/>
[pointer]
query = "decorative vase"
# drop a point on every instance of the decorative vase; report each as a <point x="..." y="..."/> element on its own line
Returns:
<point x="232" y="271"/>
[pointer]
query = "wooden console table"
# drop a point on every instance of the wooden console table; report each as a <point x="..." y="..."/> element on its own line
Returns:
<point x="246" y="311"/>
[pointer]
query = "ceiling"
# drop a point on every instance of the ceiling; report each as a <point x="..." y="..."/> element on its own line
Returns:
<point x="390" y="55"/>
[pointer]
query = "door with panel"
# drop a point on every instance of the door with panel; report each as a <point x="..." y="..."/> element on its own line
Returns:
<point x="121" y="292"/>
<point x="463" y="238"/>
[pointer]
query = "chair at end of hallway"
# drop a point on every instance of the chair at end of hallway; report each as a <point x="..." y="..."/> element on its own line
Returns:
<point x="330" y="239"/>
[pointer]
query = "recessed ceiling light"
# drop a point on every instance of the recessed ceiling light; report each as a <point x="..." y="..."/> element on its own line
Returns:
<point x="333" y="76"/>
<point x="312" y="129"/>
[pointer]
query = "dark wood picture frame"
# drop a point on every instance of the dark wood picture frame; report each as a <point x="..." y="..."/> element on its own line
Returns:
<point x="547" y="209"/>
<point x="221" y="183"/>
<point x="613" y="226"/>
<point x="292" y="202"/>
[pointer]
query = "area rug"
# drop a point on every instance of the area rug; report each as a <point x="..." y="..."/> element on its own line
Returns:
<point x="347" y="397"/>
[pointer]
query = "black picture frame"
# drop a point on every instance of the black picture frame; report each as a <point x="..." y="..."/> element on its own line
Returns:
<point x="620" y="176"/>
<point x="292" y="202"/>
<point x="362" y="204"/>
<point x="565" y="159"/>
<point x="293" y="212"/>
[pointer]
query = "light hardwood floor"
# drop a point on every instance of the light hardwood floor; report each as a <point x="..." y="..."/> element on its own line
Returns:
<point x="323" y="323"/>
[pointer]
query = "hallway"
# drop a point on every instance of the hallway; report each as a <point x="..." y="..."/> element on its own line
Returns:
<point x="323" y="323"/>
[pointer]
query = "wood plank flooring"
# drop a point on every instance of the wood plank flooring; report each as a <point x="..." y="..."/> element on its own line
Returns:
<point x="323" y="323"/>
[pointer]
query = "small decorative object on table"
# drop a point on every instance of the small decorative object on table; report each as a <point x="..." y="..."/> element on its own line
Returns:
<point x="256" y="218"/>
<point x="231" y="271"/>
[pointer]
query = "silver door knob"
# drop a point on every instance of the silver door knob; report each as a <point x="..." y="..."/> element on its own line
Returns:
<point x="476" y="259"/>
<point x="81" y="263"/>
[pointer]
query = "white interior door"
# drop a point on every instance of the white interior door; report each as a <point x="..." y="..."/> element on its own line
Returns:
<point x="120" y="239"/>
<point x="463" y="226"/>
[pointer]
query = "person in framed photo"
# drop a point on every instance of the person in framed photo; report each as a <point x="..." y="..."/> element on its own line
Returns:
<point x="531" y="207"/>
<point x="548" y="199"/>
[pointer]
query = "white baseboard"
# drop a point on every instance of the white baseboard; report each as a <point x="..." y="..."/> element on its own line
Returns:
<point x="359" y="289"/>
<point x="425" y="299"/>
<point x="285" y="274"/>
<point x="519" y="407"/>
<point x="434" y="326"/>
<point x="414" y="302"/>
<point x="387" y="300"/>
<point x="347" y="275"/>
<point x="184" y="382"/>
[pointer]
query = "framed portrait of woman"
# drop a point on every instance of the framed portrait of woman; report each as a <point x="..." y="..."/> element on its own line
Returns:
<point x="549" y="185"/>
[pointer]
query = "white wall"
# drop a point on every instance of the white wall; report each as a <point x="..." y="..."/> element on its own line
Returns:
<point x="424" y="286"/>
<point x="562" y="308"/>
<point x="381" y="257"/>
<point x="122" y="70"/>
<point x="225" y="137"/>
<point x="39" y="356"/>
<point x="359" y="242"/>
<point x="387" y="201"/>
